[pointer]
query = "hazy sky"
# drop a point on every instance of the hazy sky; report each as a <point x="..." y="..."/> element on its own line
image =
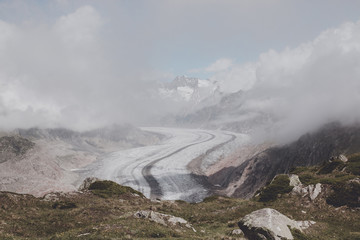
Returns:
<point x="179" y="35"/>
<point x="87" y="63"/>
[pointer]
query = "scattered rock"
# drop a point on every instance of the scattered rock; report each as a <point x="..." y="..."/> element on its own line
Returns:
<point x="294" y="180"/>
<point x="343" y="158"/>
<point x="236" y="232"/>
<point x="87" y="182"/>
<point x="164" y="219"/>
<point x="312" y="190"/>
<point x="355" y="180"/>
<point x="135" y="195"/>
<point x="305" y="224"/>
<point x="300" y="190"/>
<point x="83" y="234"/>
<point x="268" y="223"/>
<point x="51" y="197"/>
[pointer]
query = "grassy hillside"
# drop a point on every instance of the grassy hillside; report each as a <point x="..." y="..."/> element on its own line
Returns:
<point x="106" y="210"/>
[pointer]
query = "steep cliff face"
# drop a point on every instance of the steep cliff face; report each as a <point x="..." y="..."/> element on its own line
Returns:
<point x="310" y="149"/>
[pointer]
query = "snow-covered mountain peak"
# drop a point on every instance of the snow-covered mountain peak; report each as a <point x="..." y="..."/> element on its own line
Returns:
<point x="184" y="81"/>
<point x="188" y="89"/>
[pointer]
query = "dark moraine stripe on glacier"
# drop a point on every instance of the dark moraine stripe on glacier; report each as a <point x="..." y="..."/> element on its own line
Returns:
<point x="195" y="164"/>
<point x="155" y="189"/>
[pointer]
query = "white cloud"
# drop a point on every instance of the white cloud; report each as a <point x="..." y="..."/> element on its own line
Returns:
<point x="63" y="74"/>
<point x="80" y="27"/>
<point x="220" y="65"/>
<point x="88" y="67"/>
<point x="239" y="77"/>
<point x="307" y="86"/>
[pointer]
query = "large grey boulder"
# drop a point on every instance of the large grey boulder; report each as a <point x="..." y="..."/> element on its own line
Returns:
<point x="269" y="224"/>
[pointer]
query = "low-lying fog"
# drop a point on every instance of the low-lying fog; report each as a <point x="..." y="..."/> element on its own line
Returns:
<point x="85" y="65"/>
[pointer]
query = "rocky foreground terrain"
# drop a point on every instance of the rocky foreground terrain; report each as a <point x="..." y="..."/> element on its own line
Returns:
<point x="319" y="202"/>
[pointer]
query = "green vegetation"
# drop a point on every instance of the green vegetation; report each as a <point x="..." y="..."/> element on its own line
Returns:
<point x="108" y="189"/>
<point x="353" y="165"/>
<point x="298" y="235"/>
<point x="345" y="194"/>
<point x="107" y="210"/>
<point x="338" y="176"/>
<point x="308" y="178"/>
<point x="331" y="166"/>
<point x="279" y="185"/>
<point x="64" y="205"/>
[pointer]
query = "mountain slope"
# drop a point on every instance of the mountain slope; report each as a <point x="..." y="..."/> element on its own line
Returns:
<point x="311" y="149"/>
<point x="38" y="161"/>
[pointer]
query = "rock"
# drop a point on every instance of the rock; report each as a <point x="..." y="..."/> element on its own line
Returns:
<point x="164" y="219"/>
<point x="312" y="190"/>
<point x="294" y="180"/>
<point x="87" y="182"/>
<point x="355" y="180"/>
<point x="300" y="190"/>
<point x="236" y="232"/>
<point x="267" y="223"/>
<point x="51" y="197"/>
<point x="83" y="234"/>
<point x="305" y="224"/>
<point x="343" y="158"/>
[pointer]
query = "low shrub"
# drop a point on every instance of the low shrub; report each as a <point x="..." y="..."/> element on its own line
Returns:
<point x="336" y="180"/>
<point x="331" y="166"/>
<point x="345" y="194"/>
<point x="211" y="198"/>
<point x="297" y="170"/>
<point x="297" y="234"/>
<point x="279" y="185"/>
<point x="64" y="205"/>
<point x="354" y="157"/>
<point x="108" y="189"/>
<point x="308" y="178"/>
<point x="353" y="164"/>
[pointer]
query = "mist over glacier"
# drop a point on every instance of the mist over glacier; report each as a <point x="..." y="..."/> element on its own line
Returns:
<point x="86" y="67"/>
<point x="305" y="87"/>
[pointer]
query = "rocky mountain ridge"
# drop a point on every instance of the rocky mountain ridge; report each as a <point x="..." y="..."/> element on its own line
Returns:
<point x="311" y="149"/>
<point x="188" y="94"/>
<point x="123" y="136"/>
